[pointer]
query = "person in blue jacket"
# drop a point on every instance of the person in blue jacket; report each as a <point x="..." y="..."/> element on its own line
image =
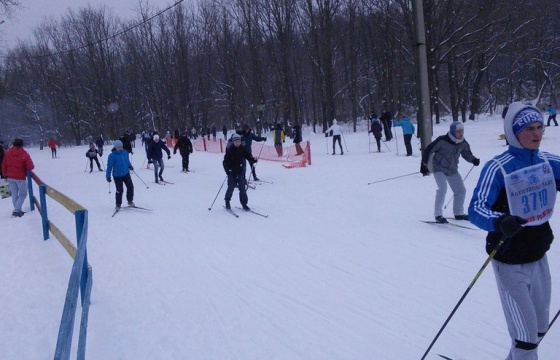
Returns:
<point x="247" y="138"/>
<point x="119" y="166"/>
<point x="155" y="156"/>
<point x="513" y="201"/>
<point x="408" y="131"/>
<point x="551" y="115"/>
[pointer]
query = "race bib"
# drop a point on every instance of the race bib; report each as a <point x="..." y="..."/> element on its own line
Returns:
<point x="531" y="192"/>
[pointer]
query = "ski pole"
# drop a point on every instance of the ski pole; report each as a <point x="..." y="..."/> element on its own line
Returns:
<point x="369" y="143"/>
<point x="85" y="170"/>
<point x="134" y="172"/>
<point x="223" y="182"/>
<point x="102" y="163"/>
<point x="387" y="146"/>
<point x="550" y="325"/>
<point x="109" y="187"/>
<point x="327" y="142"/>
<point x="253" y="165"/>
<point x="465" y="178"/>
<point x="343" y="139"/>
<point x="490" y="257"/>
<point x="396" y="177"/>
<point x="396" y="141"/>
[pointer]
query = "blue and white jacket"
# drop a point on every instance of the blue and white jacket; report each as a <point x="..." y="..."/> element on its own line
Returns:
<point x="489" y="201"/>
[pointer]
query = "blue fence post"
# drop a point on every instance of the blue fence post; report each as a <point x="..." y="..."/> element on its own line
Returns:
<point x="81" y="230"/>
<point x="30" y="191"/>
<point x="44" y="214"/>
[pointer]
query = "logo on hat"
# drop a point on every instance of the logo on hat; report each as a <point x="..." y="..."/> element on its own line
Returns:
<point x="524" y="118"/>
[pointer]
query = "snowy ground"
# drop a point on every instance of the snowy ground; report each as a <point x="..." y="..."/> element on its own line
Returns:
<point x="340" y="269"/>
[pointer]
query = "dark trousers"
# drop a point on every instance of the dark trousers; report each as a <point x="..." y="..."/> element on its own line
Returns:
<point x="553" y="118"/>
<point x="378" y="141"/>
<point x="239" y="180"/>
<point x="387" y="130"/>
<point x="334" y="140"/>
<point x="53" y="152"/>
<point x="185" y="158"/>
<point x="91" y="160"/>
<point x="119" y="181"/>
<point x="407" y="139"/>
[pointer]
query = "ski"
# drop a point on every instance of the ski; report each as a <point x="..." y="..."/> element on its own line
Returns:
<point x="449" y="223"/>
<point x="252" y="211"/>
<point x="231" y="212"/>
<point x="159" y="183"/>
<point x="445" y="357"/>
<point x="138" y="207"/>
<point x="116" y="211"/>
<point x="264" y="181"/>
<point x="167" y="182"/>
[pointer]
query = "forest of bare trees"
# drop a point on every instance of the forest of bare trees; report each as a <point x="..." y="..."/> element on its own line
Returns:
<point x="225" y="62"/>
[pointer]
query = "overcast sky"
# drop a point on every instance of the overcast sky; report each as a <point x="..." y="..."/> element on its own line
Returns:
<point x="35" y="11"/>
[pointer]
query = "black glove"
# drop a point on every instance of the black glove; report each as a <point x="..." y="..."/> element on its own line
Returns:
<point x="131" y="167"/>
<point x="509" y="225"/>
<point x="150" y="162"/>
<point x="100" y="154"/>
<point x="174" y="152"/>
<point x="476" y="162"/>
<point x="424" y="169"/>
<point x="168" y="157"/>
<point x="264" y="139"/>
<point x="108" y="179"/>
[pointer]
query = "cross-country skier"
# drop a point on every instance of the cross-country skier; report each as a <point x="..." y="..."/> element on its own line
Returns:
<point x="119" y="166"/>
<point x="91" y="154"/>
<point x="185" y="147"/>
<point x="234" y="166"/>
<point x="513" y="201"/>
<point x="155" y="156"/>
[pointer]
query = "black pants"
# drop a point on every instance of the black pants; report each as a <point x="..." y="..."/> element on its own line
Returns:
<point x="239" y="180"/>
<point x="53" y="152"/>
<point x="553" y="118"/>
<point x="387" y="130"/>
<point x="378" y="141"/>
<point x="119" y="181"/>
<point x="185" y="158"/>
<point x="91" y="163"/>
<point x="407" y="139"/>
<point x="334" y="140"/>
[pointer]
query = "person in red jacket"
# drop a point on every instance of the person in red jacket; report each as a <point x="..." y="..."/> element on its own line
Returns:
<point x="53" y="145"/>
<point x="15" y="166"/>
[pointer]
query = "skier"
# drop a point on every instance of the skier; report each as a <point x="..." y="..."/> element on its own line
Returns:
<point x="185" y="149"/>
<point x="499" y="205"/>
<point x="155" y="156"/>
<point x="408" y="131"/>
<point x="386" y="119"/>
<point x="127" y="145"/>
<point x="247" y="138"/>
<point x="443" y="154"/>
<point x="376" y="129"/>
<point x="53" y="145"/>
<point x="337" y="133"/>
<point x="551" y="115"/>
<point x="100" y="142"/>
<point x="234" y="166"/>
<point x="91" y="154"/>
<point x="119" y="166"/>
<point x="15" y="166"/>
<point x="279" y="137"/>
<point x="298" y="138"/>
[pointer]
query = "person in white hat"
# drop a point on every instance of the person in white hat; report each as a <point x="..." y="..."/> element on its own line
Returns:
<point x="513" y="201"/>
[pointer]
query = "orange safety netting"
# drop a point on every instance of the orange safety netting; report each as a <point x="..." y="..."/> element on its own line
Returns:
<point x="296" y="155"/>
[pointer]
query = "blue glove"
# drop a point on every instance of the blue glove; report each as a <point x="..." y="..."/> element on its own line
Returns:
<point x="108" y="179"/>
<point x="131" y="167"/>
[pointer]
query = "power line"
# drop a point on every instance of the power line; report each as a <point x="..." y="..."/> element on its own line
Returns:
<point x="98" y="41"/>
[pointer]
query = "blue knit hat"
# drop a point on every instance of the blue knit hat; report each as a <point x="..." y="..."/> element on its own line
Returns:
<point x="456" y="125"/>
<point x="117" y="143"/>
<point x="525" y="117"/>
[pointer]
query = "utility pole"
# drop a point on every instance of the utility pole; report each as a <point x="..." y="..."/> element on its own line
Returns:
<point x="423" y="90"/>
